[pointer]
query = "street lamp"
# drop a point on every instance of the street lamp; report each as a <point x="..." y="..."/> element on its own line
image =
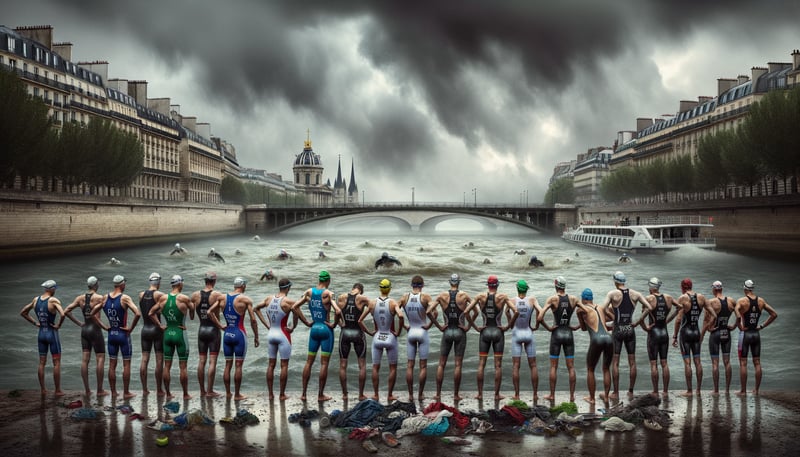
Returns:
<point x="475" y="195"/>
<point x="465" y="199"/>
<point x="412" y="196"/>
<point x="362" y="198"/>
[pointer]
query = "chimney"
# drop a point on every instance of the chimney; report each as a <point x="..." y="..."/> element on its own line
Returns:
<point x="160" y="105"/>
<point x="757" y="72"/>
<point x="686" y="105"/>
<point x="190" y="123"/>
<point x="741" y="79"/>
<point x="796" y="59"/>
<point x="704" y="99"/>
<point x="724" y="85"/>
<point x="98" y="66"/>
<point x="42" y="34"/>
<point x="175" y="109"/>
<point x="120" y="85"/>
<point x="642" y="123"/>
<point x="138" y="90"/>
<point x="63" y="49"/>
<point x="204" y="129"/>
<point x="776" y="66"/>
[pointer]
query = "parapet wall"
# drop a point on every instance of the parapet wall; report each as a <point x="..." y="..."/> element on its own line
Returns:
<point x="36" y="222"/>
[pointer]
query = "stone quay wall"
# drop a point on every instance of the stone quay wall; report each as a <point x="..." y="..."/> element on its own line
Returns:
<point x="762" y="224"/>
<point x="32" y="223"/>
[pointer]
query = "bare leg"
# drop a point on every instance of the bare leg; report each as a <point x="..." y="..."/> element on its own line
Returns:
<point x="632" y="375"/>
<point x="323" y="378"/>
<point x="212" y="374"/>
<point x="343" y="376"/>
<point x="457" y="378"/>
<point x="553" y="374"/>
<point x="362" y="377"/>
<point x="481" y="369"/>
<point x="85" y="356"/>
<point x="226" y="377"/>
<point x="40" y="373"/>
<point x="591" y="383"/>
<point x="665" y="374"/>
<point x="571" y="370"/>
<point x="606" y="376"/>
<point x="699" y="372"/>
<point x="271" y="377"/>
<point x="715" y="374"/>
<point x="376" y="368"/>
<point x="143" y="371"/>
<point x="201" y="373"/>
<point x="410" y="379"/>
<point x="284" y="378"/>
<point x="184" y="376"/>
<point x="100" y="360"/>
<point x="757" y="367"/>
<point x="159" y="373"/>
<point x="167" y="377"/>
<point x="392" y="380"/>
<point x="534" y="378"/>
<point x="307" y="374"/>
<point x="654" y="376"/>
<point x="726" y="360"/>
<point x="112" y="375"/>
<point x="126" y="379"/>
<point x="59" y="392"/>
<point x="615" y="375"/>
<point x="515" y="376"/>
<point x="687" y="372"/>
<point x="440" y="376"/>
<point x="237" y="380"/>
<point x="423" y="377"/>
<point x="498" y="376"/>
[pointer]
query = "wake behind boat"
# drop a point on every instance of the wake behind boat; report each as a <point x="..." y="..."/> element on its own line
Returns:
<point x="649" y="235"/>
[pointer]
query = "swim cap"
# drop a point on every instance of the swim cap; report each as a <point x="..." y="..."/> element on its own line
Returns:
<point x="384" y="255"/>
<point x="522" y="286"/>
<point x="284" y="283"/>
<point x="239" y="282"/>
<point x="50" y="284"/>
<point x="210" y="276"/>
<point x="619" y="277"/>
<point x="716" y="285"/>
<point x="118" y="279"/>
<point x="587" y="294"/>
<point x="417" y="281"/>
<point x="212" y="250"/>
<point x="91" y="281"/>
<point x="455" y="279"/>
<point x="385" y="284"/>
<point x="176" y="279"/>
<point x="324" y="276"/>
<point x="492" y="281"/>
<point x="654" y="283"/>
<point x="686" y="284"/>
<point x="177" y="245"/>
<point x="749" y="285"/>
<point x="560" y="283"/>
<point x="154" y="278"/>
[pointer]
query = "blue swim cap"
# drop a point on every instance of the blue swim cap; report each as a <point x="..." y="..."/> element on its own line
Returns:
<point x="587" y="294"/>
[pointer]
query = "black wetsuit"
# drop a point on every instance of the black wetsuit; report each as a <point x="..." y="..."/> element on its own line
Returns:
<point x="750" y="338"/>
<point x="209" y="336"/>
<point x="623" y="330"/>
<point x="491" y="335"/>
<point x="91" y="335"/>
<point x="658" y="336"/>
<point x="720" y="338"/>
<point x="600" y="343"/>
<point x="351" y="334"/>
<point x="562" y="334"/>
<point x="152" y="337"/>
<point x="453" y="336"/>
<point x="690" y="330"/>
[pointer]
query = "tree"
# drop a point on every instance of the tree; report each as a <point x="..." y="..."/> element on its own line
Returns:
<point x="23" y="127"/>
<point x="745" y="168"/>
<point x="231" y="190"/>
<point x="561" y="191"/>
<point x="709" y="170"/>
<point x="115" y="157"/>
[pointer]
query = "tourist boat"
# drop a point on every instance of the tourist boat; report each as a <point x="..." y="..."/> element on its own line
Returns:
<point x="655" y="234"/>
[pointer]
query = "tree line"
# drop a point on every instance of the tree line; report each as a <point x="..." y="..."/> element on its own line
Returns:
<point x="765" y="145"/>
<point x="97" y="155"/>
<point x="233" y="190"/>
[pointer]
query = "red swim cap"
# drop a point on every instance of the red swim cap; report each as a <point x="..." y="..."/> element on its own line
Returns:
<point x="686" y="284"/>
<point x="492" y="281"/>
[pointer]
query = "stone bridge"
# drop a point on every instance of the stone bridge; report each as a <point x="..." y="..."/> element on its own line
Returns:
<point x="420" y="217"/>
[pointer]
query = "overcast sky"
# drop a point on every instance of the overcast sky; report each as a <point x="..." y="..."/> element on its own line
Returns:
<point x="442" y="96"/>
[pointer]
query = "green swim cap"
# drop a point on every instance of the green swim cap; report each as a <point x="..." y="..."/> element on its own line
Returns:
<point x="324" y="276"/>
<point x="522" y="286"/>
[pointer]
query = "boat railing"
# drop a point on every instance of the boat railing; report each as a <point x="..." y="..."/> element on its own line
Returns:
<point x="653" y="220"/>
<point x="688" y="241"/>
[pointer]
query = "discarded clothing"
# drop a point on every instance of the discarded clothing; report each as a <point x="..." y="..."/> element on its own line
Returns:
<point x="194" y="417"/>
<point x="361" y="414"/>
<point x="125" y="409"/>
<point x="413" y="425"/>
<point x="172" y="407"/>
<point x="640" y="409"/>
<point x="84" y="414"/>
<point x="459" y="420"/>
<point x="437" y="428"/>
<point x="514" y="413"/>
<point x="615" y="424"/>
<point x="243" y="417"/>
<point x="160" y="426"/>
<point x="362" y="433"/>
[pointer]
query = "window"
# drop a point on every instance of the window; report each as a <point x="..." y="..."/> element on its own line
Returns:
<point x="11" y="44"/>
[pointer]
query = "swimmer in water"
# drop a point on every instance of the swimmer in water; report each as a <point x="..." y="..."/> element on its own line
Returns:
<point x="256" y="238"/>
<point x="520" y="252"/>
<point x="535" y="262"/>
<point x="283" y="255"/>
<point x="268" y="275"/>
<point x="238" y="252"/>
<point x="325" y="242"/>
<point x="624" y="258"/>
<point x="114" y="261"/>
<point x="487" y="261"/>
<point x="216" y="255"/>
<point x="178" y="250"/>
<point x="387" y="261"/>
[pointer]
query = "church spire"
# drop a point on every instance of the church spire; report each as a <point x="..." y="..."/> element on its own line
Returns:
<point x="339" y="183"/>
<point x="353" y="189"/>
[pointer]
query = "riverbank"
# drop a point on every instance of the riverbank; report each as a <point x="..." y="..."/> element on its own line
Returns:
<point x="36" y="223"/>
<point x="719" y="425"/>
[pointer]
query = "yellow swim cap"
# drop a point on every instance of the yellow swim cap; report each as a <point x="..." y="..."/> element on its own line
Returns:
<point x="385" y="284"/>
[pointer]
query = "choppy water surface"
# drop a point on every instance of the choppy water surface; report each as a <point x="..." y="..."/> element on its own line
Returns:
<point x="351" y="257"/>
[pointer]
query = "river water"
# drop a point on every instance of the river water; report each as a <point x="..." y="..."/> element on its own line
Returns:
<point x="350" y="258"/>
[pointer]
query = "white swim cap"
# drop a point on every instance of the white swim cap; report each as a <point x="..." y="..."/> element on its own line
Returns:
<point x="176" y="279"/>
<point x="50" y="284"/>
<point x="91" y="281"/>
<point x="177" y="245"/>
<point x="239" y="282"/>
<point x="154" y="278"/>
<point x="118" y="279"/>
<point x="455" y="279"/>
<point x="560" y="283"/>
<point x="749" y="285"/>
<point x="654" y="283"/>
<point x="619" y="277"/>
<point x="716" y="285"/>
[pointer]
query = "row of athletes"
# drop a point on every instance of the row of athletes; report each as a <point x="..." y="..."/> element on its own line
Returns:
<point x="524" y="315"/>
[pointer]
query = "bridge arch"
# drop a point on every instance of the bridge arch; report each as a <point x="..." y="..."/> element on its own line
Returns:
<point x="429" y="225"/>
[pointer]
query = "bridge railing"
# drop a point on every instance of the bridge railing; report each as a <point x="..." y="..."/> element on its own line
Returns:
<point x="402" y="205"/>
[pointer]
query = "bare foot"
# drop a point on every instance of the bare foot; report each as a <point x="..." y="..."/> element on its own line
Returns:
<point x="630" y="393"/>
<point x="59" y="393"/>
<point x="572" y="398"/>
<point x="479" y="397"/>
<point x="535" y="398"/>
<point x="44" y="392"/>
<point x="229" y="395"/>
<point x="128" y="395"/>
<point x="688" y="393"/>
<point x="421" y="397"/>
<point x="240" y="397"/>
<point x="437" y="397"/>
<point x="145" y="392"/>
<point x="603" y="397"/>
<point x="391" y="398"/>
<point x="698" y="392"/>
<point x="654" y="394"/>
<point x="212" y="394"/>
<point x="187" y="397"/>
<point x="344" y="396"/>
<point x="456" y="397"/>
<point x="362" y="397"/>
<point x="550" y="397"/>
<point x="515" y="397"/>
<point x="161" y="393"/>
<point x="88" y="393"/>
<point x="755" y="392"/>
<point x="321" y="398"/>
<point x="589" y="400"/>
<point x="499" y="397"/>
<point x="113" y="393"/>
<point x="283" y="397"/>
<point x="613" y="396"/>
<point x="169" y="395"/>
<point x="102" y="393"/>
<point x="715" y="393"/>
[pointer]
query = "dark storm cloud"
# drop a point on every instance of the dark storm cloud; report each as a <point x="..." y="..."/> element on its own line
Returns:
<point x="474" y="68"/>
